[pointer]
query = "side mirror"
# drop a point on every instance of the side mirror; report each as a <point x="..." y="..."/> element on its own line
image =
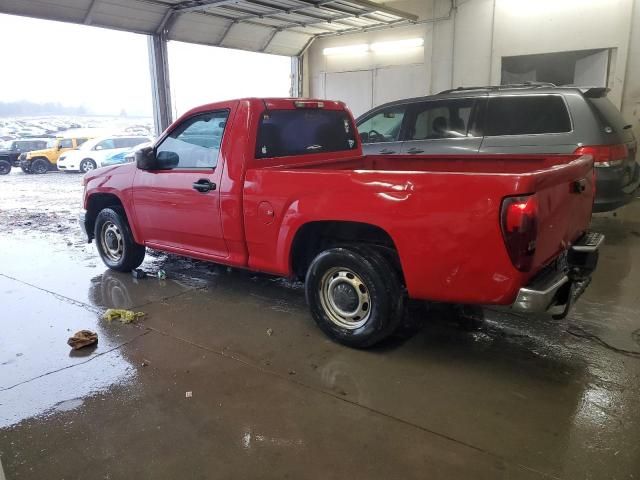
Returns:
<point x="59" y="146"/>
<point x="364" y="137"/>
<point x="167" y="160"/>
<point x="145" y="159"/>
<point x="98" y="147"/>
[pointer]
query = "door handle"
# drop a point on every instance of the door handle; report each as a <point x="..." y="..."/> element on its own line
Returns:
<point x="414" y="150"/>
<point x="386" y="151"/>
<point x="204" y="186"/>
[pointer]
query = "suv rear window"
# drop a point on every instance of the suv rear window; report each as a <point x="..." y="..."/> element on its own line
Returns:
<point x="299" y="132"/>
<point x="527" y="115"/>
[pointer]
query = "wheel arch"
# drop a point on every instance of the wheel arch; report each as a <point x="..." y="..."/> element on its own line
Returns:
<point x="99" y="201"/>
<point x="313" y="237"/>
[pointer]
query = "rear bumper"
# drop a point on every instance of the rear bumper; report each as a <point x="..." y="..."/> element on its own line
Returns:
<point x="615" y="187"/>
<point x="555" y="289"/>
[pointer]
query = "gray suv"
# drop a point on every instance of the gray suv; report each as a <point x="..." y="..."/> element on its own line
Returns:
<point x="513" y="119"/>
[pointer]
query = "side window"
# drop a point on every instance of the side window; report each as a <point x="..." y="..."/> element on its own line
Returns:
<point x="383" y="126"/>
<point x="197" y="140"/>
<point x="66" y="143"/>
<point x="440" y="119"/>
<point x="105" y="144"/>
<point x="527" y="115"/>
<point x="80" y="141"/>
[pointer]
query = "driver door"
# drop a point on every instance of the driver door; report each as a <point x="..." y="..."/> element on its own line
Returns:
<point x="178" y="208"/>
<point x="380" y="131"/>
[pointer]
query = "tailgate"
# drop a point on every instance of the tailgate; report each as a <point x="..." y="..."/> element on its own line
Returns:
<point x="565" y="200"/>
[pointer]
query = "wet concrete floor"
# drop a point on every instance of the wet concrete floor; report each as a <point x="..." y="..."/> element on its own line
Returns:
<point x="199" y="389"/>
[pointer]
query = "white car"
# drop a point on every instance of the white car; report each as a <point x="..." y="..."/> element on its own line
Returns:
<point x="91" y="153"/>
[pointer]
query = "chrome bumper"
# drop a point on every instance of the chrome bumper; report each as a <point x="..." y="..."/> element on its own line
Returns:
<point x="539" y="298"/>
<point x="556" y="289"/>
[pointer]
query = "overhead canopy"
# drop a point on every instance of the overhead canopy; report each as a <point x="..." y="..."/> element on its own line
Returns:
<point x="284" y="27"/>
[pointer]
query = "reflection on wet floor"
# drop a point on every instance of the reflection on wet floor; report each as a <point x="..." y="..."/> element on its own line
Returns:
<point x="271" y="397"/>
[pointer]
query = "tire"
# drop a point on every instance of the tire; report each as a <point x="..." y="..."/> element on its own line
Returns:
<point x="355" y="295"/>
<point x="5" y="167"/>
<point x="40" y="166"/>
<point x="87" y="165"/>
<point x="25" y="170"/>
<point x="115" y="243"/>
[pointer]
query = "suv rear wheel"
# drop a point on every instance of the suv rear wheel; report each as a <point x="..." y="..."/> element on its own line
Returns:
<point x="87" y="165"/>
<point x="115" y="243"/>
<point x="355" y="295"/>
<point x="39" y="166"/>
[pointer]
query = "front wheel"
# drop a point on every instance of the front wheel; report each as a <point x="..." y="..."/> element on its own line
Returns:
<point x="355" y="295"/>
<point x="87" y="165"/>
<point x="39" y="166"/>
<point x="115" y="243"/>
<point x="5" y="167"/>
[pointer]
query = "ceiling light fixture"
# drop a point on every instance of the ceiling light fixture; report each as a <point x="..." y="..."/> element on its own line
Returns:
<point x="347" y="50"/>
<point x="397" y="45"/>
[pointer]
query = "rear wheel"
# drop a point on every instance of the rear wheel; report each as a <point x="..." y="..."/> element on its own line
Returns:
<point x="115" y="243"/>
<point x="39" y="166"/>
<point x="87" y="165"/>
<point x="355" y="295"/>
<point x="5" y="167"/>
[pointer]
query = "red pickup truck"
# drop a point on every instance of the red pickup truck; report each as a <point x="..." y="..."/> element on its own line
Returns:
<point x="281" y="186"/>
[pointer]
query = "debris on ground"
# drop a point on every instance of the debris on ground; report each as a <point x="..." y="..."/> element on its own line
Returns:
<point x="145" y="362"/>
<point x="162" y="275"/>
<point x="188" y="394"/>
<point x="138" y="273"/>
<point x="82" y="339"/>
<point x="125" y="316"/>
<point x="269" y="331"/>
<point x="292" y="372"/>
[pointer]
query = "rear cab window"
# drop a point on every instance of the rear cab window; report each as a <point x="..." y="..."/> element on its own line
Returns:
<point x="527" y="115"/>
<point x="303" y="131"/>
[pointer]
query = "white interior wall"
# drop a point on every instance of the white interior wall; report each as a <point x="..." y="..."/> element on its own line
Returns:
<point x="467" y="49"/>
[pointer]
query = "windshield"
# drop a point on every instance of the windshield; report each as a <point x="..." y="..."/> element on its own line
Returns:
<point x="89" y="144"/>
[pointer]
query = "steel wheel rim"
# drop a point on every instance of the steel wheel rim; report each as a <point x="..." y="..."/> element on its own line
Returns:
<point x="86" y="166"/>
<point x="40" y="168"/>
<point x="345" y="298"/>
<point x="111" y="241"/>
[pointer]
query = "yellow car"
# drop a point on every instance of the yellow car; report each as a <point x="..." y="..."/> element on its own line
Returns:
<point x="41" y="161"/>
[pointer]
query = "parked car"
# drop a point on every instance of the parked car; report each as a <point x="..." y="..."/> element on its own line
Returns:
<point x="91" y="153"/>
<point x="9" y="156"/>
<point x="281" y="186"/>
<point x="512" y="119"/>
<point x="41" y="161"/>
<point x="125" y="156"/>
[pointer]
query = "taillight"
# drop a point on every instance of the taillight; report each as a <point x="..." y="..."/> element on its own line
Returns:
<point x="605" y="155"/>
<point x="519" y="221"/>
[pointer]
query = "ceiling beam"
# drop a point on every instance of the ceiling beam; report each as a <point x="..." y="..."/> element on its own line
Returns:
<point x="380" y="7"/>
<point x="193" y="5"/>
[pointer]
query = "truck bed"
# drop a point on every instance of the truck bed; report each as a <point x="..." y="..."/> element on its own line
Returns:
<point x="455" y="202"/>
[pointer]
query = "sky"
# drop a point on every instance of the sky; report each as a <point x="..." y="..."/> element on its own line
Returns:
<point x="107" y="71"/>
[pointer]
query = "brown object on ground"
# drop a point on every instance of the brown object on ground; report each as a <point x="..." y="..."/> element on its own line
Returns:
<point x="81" y="339"/>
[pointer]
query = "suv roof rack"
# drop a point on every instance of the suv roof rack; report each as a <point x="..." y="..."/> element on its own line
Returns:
<point x="501" y="87"/>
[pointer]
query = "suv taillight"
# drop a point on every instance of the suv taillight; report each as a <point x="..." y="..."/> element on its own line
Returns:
<point x="605" y="155"/>
<point x="519" y="221"/>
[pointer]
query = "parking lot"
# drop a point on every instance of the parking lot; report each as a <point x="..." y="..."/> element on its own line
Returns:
<point x="227" y="375"/>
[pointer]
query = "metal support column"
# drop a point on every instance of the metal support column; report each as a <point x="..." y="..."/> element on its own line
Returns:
<point x="161" y="91"/>
<point x="296" y="77"/>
